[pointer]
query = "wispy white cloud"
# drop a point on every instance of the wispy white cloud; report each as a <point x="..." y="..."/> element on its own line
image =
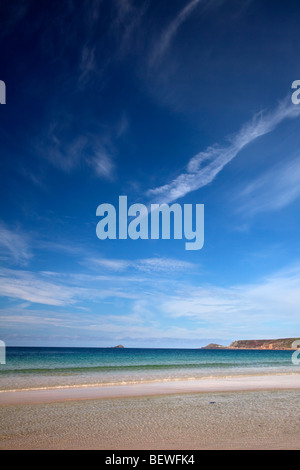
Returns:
<point x="55" y="289"/>
<point x="122" y="33"/>
<point x="126" y="25"/>
<point x="146" y="265"/>
<point x="268" y="307"/>
<point x="69" y="154"/>
<point x="273" y="190"/>
<point x="110" y="264"/>
<point x="29" y="286"/>
<point x="261" y="308"/>
<point x="87" y="64"/>
<point x="170" y="32"/>
<point x="14" y="245"/>
<point x="77" y="289"/>
<point x="203" y="168"/>
<point x="102" y="164"/>
<point x="106" y="330"/>
<point x="163" y="265"/>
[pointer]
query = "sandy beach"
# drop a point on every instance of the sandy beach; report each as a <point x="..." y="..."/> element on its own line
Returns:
<point x="214" y="384"/>
<point x="258" y="412"/>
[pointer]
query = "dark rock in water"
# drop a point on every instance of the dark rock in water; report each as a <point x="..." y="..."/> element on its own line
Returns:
<point x="120" y="346"/>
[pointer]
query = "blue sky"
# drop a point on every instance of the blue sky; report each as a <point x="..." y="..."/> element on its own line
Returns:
<point x="182" y="101"/>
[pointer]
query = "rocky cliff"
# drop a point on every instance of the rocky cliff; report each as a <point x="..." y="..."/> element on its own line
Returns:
<point x="283" y="343"/>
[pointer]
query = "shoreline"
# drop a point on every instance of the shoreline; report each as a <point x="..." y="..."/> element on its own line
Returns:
<point x="210" y="385"/>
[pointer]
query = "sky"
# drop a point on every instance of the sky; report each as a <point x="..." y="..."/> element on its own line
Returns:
<point x="185" y="102"/>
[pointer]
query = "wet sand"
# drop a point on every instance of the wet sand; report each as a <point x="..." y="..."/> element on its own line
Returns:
<point x="214" y="384"/>
<point x="223" y="420"/>
<point x="253" y="412"/>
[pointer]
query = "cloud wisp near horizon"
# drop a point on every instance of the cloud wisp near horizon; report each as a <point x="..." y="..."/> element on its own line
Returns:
<point x="231" y="312"/>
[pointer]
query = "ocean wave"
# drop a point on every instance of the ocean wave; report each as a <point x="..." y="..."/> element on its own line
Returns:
<point x="137" y="367"/>
<point x="146" y="381"/>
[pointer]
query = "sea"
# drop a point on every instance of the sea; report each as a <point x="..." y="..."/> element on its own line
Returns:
<point x="37" y="368"/>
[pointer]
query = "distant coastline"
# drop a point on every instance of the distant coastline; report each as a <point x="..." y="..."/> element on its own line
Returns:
<point x="281" y="344"/>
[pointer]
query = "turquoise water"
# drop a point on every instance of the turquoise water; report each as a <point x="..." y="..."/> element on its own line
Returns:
<point x="37" y="367"/>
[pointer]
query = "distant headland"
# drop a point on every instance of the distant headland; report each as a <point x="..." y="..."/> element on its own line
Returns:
<point x="283" y="343"/>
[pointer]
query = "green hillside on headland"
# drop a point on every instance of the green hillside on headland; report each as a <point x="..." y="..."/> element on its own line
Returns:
<point x="283" y="343"/>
